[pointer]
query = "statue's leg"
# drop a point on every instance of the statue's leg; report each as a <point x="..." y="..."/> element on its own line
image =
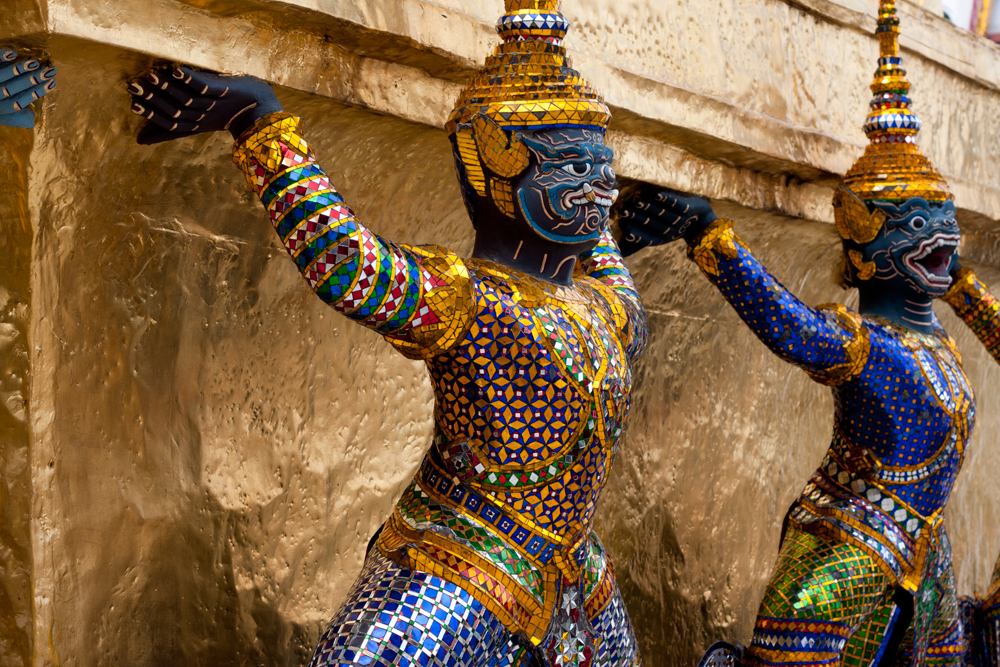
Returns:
<point x="988" y="626"/>
<point x="821" y="591"/>
<point x="876" y="643"/>
<point x="947" y="642"/>
<point x="399" y="617"/>
<point x="614" y="628"/>
<point x="936" y="637"/>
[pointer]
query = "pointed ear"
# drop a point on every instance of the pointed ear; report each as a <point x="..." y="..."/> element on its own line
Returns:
<point x="504" y="155"/>
<point x="854" y="222"/>
<point x="468" y="153"/>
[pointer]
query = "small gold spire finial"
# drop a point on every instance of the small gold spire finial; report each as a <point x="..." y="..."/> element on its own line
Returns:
<point x="892" y="167"/>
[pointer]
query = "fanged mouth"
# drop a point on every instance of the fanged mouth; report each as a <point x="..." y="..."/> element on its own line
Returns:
<point x="931" y="259"/>
<point x="590" y="195"/>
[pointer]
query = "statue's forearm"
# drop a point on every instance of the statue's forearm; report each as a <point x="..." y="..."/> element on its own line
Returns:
<point x="979" y="309"/>
<point x="831" y="344"/>
<point x="413" y="296"/>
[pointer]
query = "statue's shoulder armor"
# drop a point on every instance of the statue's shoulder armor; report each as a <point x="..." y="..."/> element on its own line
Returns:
<point x="446" y="306"/>
<point x="856" y="342"/>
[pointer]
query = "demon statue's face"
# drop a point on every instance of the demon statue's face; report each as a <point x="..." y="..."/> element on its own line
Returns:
<point x="915" y="249"/>
<point x="566" y="193"/>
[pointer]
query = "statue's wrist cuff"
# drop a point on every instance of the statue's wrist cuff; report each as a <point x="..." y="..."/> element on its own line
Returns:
<point x="258" y="133"/>
<point x="964" y="291"/>
<point x="715" y="242"/>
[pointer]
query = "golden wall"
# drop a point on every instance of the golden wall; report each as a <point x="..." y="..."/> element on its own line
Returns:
<point x="194" y="450"/>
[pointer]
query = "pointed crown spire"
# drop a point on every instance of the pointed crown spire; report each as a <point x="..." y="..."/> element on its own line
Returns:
<point x="528" y="83"/>
<point x="892" y="167"/>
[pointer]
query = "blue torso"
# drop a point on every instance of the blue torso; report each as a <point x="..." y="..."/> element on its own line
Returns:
<point x="912" y="410"/>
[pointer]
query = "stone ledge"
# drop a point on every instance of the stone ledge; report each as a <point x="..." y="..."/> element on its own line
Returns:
<point x="409" y="60"/>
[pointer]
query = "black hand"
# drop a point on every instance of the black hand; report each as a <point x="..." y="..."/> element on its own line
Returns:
<point x="181" y="102"/>
<point x="655" y="216"/>
<point x="21" y="83"/>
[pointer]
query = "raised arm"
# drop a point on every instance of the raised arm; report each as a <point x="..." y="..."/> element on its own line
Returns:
<point x="830" y="343"/>
<point x="979" y="309"/>
<point x="418" y="298"/>
<point x="605" y="263"/>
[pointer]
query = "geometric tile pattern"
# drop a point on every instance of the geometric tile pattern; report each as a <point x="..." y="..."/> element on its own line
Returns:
<point x="614" y="628"/>
<point x="978" y="308"/>
<point x="399" y="617"/>
<point x="821" y="590"/>
<point x="412" y="295"/>
<point x="830" y="603"/>
<point x="937" y="635"/>
<point x="532" y="384"/>
<point x="529" y="82"/>
<point x="869" y="642"/>
<point x="904" y="411"/>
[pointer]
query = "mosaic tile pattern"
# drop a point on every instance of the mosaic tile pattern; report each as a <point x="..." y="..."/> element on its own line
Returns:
<point x="529" y="81"/>
<point x="830" y="603"/>
<point x="989" y="628"/>
<point x="413" y="295"/>
<point x="821" y="590"/>
<point x="978" y="308"/>
<point x="871" y="518"/>
<point x="870" y="521"/>
<point x="395" y="616"/>
<point x="527" y="84"/>
<point x="937" y="635"/>
<point x="892" y="167"/>
<point x="869" y="643"/>
<point x="884" y="483"/>
<point x="532" y="385"/>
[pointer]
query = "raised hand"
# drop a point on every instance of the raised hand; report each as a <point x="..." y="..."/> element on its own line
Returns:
<point x="181" y="102"/>
<point x="21" y="83"/>
<point x="651" y="216"/>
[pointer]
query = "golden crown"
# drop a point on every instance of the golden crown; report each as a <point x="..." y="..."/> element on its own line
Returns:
<point x="892" y="167"/>
<point x="527" y="84"/>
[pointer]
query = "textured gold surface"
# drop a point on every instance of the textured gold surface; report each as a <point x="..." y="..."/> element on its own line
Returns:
<point x="223" y="444"/>
<point x="207" y="506"/>
<point x="15" y="472"/>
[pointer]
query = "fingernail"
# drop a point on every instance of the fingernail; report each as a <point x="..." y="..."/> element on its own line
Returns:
<point x="155" y="79"/>
<point x="178" y="74"/>
<point x="31" y="65"/>
<point x="51" y="85"/>
<point x="138" y="108"/>
<point x="49" y="73"/>
<point x="8" y="56"/>
<point x="135" y="89"/>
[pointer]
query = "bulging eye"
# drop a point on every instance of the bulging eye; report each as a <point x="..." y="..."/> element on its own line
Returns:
<point x="918" y="223"/>
<point x="578" y="169"/>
